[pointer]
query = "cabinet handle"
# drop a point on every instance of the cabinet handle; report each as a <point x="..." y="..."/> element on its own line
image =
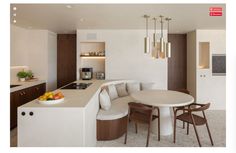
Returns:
<point x="31" y="113"/>
<point x="24" y="93"/>
<point x="21" y="93"/>
<point x="37" y="88"/>
<point x="23" y="113"/>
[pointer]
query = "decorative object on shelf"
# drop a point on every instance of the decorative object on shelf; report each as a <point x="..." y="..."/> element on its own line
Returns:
<point x="25" y="76"/>
<point x="160" y="49"/>
<point x="30" y="75"/>
<point x="100" y="75"/>
<point x="22" y="75"/>
<point x="146" y="39"/>
<point x="93" y="54"/>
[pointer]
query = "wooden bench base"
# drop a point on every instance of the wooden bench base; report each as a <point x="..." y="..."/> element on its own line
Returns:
<point x="111" y="129"/>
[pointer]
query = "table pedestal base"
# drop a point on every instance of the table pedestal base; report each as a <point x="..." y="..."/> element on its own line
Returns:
<point x="166" y="126"/>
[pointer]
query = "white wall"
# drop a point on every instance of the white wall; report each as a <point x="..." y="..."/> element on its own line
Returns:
<point x="19" y="39"/>
<point x="211" y="88"/>
<point x="37" y="50"/>
<point x="125" y="58"/>
<point x="52" y="61"/>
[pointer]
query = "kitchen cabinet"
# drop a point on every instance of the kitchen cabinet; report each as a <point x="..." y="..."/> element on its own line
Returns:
<point x="21" y="97"/>
<point x="66" y="59"/>
<point x="202" y="84"/>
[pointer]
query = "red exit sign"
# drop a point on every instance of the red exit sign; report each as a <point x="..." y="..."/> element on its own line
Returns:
<point x="215" y="11"/>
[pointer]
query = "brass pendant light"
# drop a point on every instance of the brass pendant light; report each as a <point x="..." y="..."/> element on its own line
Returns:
<point x="162" y="44"/>
<point x="154" y="47"/>
<point x="168" y="44"/>
<point x="146" y="39"/>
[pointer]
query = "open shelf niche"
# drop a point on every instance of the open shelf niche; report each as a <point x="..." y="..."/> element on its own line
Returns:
<point x="204" y="55"/>
<point x="95" y="61"/>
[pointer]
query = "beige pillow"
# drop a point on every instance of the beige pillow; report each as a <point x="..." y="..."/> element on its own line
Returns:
<point x="104" y="99"/>
<point x="133" y="87"/>
<point x="121" y="90"/>
<point x="147" y="86"/>
<point x="112" y="92"/>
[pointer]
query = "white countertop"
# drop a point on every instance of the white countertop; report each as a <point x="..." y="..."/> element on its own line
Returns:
<point x="25" y="84"/>
<point x="73" y="98"/>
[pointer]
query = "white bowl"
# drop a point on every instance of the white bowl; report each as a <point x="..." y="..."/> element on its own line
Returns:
<point x="51" y="102"/>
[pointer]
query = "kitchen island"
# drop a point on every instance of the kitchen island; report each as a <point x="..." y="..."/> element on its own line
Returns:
<point x="71" y="123"/>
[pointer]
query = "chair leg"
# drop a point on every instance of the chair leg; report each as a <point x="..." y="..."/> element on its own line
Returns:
<point x="174" y="129"/>
<point x="187" y="128"/>
<point x="148" y="135"/>
<point x="209" y="134"/>
<point x="136" y="127"/>
<point x="195" y="129"/>
<point x="159" y="125"/>
<point x="126" y="133"/>
<point x="183" y="121"/>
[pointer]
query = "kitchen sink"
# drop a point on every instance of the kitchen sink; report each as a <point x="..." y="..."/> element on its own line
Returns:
<point x="13" y="85"/>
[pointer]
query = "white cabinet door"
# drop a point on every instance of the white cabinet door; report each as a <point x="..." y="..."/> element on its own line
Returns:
<point x="50" y="127"/>
<point x="203" y="86"/>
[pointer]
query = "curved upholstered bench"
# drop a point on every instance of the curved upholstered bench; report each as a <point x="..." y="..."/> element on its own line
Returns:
<point x="112" y="123"/>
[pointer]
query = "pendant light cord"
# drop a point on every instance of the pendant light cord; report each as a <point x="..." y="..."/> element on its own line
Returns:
<point x="155" y="26"/>
<point x="146" y="27"/>
<point x="161" y="28"/>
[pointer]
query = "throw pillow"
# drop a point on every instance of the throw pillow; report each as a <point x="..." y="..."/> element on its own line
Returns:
<point x="147" y="86"/>
<point x="104" y="99"/>
<point x="112" y="92"/>
<point x="133" y="87"/>
<point x="121" y="90"/>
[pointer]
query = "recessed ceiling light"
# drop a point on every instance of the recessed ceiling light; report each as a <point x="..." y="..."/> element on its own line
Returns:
<point x="14" y="21"/>
<point x="14" y="8"/>
<point x="14" y="14"/>
<point x="69" y="6"/>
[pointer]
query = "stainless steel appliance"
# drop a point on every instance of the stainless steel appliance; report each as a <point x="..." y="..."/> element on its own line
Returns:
<point x="87" y="73"/>
<point x="100" y="75"/>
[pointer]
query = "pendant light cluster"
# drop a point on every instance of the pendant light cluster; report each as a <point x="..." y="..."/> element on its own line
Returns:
<point x="160" y="49"/>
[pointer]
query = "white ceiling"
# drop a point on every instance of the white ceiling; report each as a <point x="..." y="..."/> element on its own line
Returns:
<point x="60" y="19"/>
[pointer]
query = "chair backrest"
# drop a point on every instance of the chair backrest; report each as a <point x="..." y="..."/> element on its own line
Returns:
<point x="201" y="107"/>
<point x="140" y="108"/>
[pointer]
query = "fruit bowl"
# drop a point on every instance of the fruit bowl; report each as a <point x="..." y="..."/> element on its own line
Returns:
<point x="51" y="102"/>
<point x="50" y="98"/>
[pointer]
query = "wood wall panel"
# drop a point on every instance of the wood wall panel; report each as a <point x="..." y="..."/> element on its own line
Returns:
<point x="177" y="64"/>
<point x="66" y="59"/>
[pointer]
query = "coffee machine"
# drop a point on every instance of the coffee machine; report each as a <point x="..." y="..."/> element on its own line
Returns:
<point x="87" y="73"/>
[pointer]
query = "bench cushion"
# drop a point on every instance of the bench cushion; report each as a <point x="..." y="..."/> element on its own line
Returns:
<point x="119" y="109"/>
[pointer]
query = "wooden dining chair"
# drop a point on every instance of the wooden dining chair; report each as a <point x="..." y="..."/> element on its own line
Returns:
<point x="183" y="91"/>
<point x="140" y="113"/>
<point x="190" y="118"/>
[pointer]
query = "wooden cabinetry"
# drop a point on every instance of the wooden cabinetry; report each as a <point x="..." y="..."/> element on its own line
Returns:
<point x="21" y="97"/>
<point x="66" y="59"/>
<point x="177" y="64"/>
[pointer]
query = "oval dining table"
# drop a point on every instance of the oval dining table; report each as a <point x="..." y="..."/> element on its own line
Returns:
<point x="164" y="99"/>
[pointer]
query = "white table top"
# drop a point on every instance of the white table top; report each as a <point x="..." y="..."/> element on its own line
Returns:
<point x="162" y="98"/>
